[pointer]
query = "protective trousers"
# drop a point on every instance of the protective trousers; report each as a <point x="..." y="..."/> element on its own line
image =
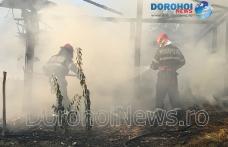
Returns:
<point x="63" y="88"/>
<point x="167" y="84"/>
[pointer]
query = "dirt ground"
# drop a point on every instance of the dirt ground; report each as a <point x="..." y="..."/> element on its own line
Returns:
<point x="215" y="134"/>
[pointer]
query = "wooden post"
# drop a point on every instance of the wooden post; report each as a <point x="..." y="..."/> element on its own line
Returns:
<point x="226" y="41"/>
<point x="226" y="67"/>
<point x="132" y="31"/>
<point x="138" y="32"/>
<point x="4" y="104"/>
<point x="214" y="39"/>
<point x="138" y="40"/>
<point x="31" y="29"/>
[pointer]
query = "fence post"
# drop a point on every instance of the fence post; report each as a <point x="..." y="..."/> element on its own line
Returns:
<point x="4" y="104"/>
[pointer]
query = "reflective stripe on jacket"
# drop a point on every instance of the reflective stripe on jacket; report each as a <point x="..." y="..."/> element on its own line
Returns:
<point x="169" y="57"/>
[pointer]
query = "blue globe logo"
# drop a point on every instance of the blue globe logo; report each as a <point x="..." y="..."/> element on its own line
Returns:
<point x="203" y="10"/>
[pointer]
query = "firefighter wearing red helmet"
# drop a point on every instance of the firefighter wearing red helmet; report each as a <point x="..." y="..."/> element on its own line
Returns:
<point x="168" y="59"/>
<point x="60" y="65"/>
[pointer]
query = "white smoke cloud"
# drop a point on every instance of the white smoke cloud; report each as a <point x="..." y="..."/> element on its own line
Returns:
<point x="107" y="56"/>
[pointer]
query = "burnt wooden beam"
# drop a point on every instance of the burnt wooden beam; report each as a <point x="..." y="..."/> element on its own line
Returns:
<point x="214" y="39"/>
<point x="210" y="28"/>
<point x="226" y="39"/>
<point x="138" y="32"/>
<point x="155" y="20"/>
<point x="219" y="6"/>
<point x="103" y="7"/>
<point x="226" y="67"/>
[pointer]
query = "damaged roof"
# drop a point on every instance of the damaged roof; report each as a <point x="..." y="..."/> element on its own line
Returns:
<point x="25" y="4"/>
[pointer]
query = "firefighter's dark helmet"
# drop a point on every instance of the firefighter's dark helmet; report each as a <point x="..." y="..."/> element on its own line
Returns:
<point x="68" y="47"/>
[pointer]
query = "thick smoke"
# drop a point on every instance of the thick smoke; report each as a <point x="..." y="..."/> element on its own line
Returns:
<point x="203" y="75"/>
<point x="107" y="53"/>
<point x="108" y="56"/>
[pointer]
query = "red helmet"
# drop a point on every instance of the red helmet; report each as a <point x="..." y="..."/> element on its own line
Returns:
<point x="162" y="38"/>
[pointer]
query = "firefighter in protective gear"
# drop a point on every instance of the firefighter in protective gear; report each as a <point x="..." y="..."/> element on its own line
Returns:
<point x="168" y="59"/>
<point x="60" y="65"/>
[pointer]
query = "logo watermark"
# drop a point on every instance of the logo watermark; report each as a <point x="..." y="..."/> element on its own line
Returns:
<point x="202" y="9"/>
<point x="118" y="116"/>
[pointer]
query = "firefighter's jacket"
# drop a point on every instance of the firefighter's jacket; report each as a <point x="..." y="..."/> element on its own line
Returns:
<point x="168" y="57"/>
<point x="60" y="65"/>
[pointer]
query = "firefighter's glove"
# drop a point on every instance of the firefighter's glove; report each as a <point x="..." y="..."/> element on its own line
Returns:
<point x="82" y="82"/>
<point x="154" y="65"/>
